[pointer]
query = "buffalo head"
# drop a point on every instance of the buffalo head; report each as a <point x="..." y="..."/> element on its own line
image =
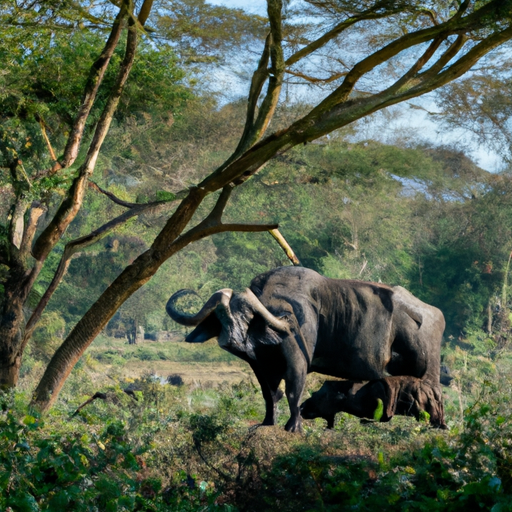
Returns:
<point x="239" y="320"/>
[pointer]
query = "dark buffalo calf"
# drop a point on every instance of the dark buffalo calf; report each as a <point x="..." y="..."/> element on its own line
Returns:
<point x="403" y="395"/>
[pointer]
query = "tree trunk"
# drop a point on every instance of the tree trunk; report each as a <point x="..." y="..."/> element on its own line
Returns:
<point x="128" y="282"/>
<point x="130" y="334"/>
<point x="89" y="327"/>
<point x="135" y="332"/>
<point x="11" y="325"/>
<point x="489" y="318"/>
<point x="14" y="334"/>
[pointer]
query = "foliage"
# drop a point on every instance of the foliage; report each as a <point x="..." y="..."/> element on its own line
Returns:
<point x="42" y="88"/>
<point x="481" y="104"/>
<point x="80" y="468"/>
<point x="423" y="217"/>
<point x="204" y="33"/>
<point x="196" y="448"/>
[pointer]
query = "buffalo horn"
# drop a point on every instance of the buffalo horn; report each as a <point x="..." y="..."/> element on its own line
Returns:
<point x="223" y="296"/>
<point x="257" y="306"/>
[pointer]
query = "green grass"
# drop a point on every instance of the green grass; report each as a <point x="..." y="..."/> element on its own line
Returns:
<point x="118" y="351"/>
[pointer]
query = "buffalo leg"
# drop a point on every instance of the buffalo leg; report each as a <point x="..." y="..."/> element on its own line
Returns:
<point x="295" y="379"/>
<point x="436" y="408"/>
<point x="271" y="393"/>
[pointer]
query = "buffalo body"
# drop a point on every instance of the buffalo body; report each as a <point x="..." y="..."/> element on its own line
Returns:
<point x="292" y="321"/>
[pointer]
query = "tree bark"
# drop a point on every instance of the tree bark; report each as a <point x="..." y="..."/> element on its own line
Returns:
<point x="11" y="324"/>
<point x="91" y="89"/>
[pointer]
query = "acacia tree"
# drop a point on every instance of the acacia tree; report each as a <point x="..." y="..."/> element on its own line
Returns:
<point x="482" y="104"/>
<point x="411" y="51"/>
<point x="44" y="48"/>
<point x="21" y="251"/>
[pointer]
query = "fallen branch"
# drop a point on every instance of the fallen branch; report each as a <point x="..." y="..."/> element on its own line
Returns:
<point x="131" y="392"/>
<point x="102" y="396"/>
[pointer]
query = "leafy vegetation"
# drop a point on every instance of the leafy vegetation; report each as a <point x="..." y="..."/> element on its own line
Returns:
<point x="406" y="219"/>
<point x="425" y="217"/>
<point x="193" y="447"/>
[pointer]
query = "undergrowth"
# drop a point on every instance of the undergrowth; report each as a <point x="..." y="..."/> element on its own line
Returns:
<point x="186" y="448"/>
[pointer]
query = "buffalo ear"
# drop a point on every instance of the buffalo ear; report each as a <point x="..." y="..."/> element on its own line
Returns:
<point x="209" y="328"/>
<point x="259" y="332"/>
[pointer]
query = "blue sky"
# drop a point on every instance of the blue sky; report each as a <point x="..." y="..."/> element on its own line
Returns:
<point x="255" y="6"/>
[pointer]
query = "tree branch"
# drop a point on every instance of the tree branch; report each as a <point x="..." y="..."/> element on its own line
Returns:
<point x="281" y="240"/>
<point x="338" y="29"/>
<point x="473" y="21"/>
<point x="275" y="81"/>
<point x="144" y="11"/>
<point x="335" y="112"/>
<point x="17" y="224"/>
<point x="258" y="79"/>
<point x="179" y="195"/>
<point x="91" y="89"/>
<point x="212" y="224"/>
<point x="71" y="205"/>
<point x="314" y="80"/>
<point x="446" y="57"/>
<point x="35" y="212"/>
<point x="196" y="234"/>
<point x="76" y="245"/>
<point x="429" y="81"/>
<point x="419" y="64"/>
<point x="101" y="396"/>
<point x="215" y="215"/>
<point x="111" y="196"/>
<point x="462" y="9"/>
<point x="46" y="138"/>
<point x="255" y="127"/>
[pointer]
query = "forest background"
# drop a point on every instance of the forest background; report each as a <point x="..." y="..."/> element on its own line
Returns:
<point x="400" y="211"/>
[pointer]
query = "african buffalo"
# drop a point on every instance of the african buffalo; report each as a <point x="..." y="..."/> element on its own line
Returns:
<point x="402" y="395"/>
<point x="292" y="321"/>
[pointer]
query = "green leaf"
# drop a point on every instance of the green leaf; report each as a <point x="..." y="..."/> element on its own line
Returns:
<point x="379" y="411"/>
<point x="424" y="416"/>
<point x="25" y="503"/>
<point x="163" y="195"/>
<point x="29" y="420"/>
<point x="500" y="420"/>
